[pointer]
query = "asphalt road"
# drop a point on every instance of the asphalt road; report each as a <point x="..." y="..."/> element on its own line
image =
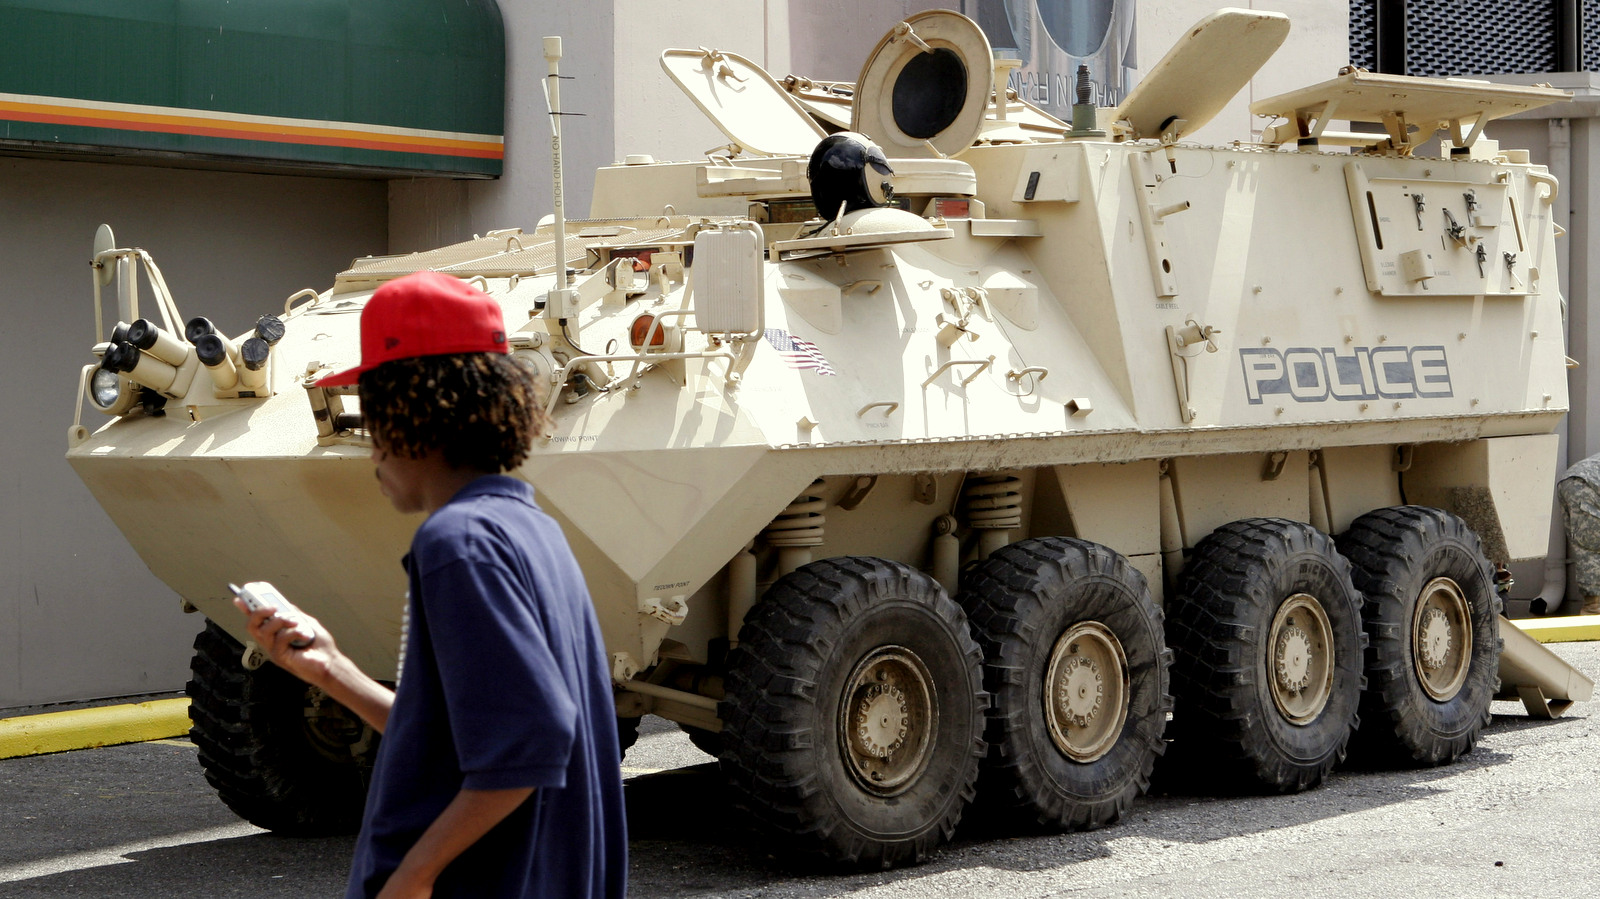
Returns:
<point x="1518" y="817"/>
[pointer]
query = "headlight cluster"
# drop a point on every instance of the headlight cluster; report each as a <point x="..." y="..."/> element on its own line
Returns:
<point x="143" y="355"/>
<point x="106" y="387"/>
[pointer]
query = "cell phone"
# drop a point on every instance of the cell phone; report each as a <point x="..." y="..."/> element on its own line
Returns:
<point x="259" y="595"/>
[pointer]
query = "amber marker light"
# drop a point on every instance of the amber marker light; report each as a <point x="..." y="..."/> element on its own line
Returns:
<point x="641" y="329"/>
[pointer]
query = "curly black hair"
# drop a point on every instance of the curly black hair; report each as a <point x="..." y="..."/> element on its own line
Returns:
<point x="481" y="410"/>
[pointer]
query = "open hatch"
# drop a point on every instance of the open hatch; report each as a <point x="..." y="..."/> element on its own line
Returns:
<point x="755" y="112"/>
<point x="1411" y="110"/>
<point x="1204" y="70"/>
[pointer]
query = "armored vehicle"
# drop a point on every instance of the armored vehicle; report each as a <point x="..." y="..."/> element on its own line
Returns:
<point x="922" y="450"/>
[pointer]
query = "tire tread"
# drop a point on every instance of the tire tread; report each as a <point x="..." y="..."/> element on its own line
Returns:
<point x="1006" y="597"/>
<point x="771" y="683"/>
<point x="1213" y="625"/>
<point x="249" y="760"/>
<point x="1405" y="727"/>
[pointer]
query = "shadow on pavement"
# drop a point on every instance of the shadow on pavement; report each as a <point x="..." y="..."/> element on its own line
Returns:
<point x="682" y="820"/>
<point x="256" y="865"/>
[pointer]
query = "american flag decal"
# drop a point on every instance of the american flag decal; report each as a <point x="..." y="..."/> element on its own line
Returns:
<point x="798" y="353"/>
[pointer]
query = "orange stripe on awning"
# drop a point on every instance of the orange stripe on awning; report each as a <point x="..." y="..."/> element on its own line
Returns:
<point x="200" y="126"/>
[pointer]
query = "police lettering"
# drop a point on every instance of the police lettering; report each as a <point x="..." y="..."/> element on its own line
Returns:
<point x="1311" y="375"/>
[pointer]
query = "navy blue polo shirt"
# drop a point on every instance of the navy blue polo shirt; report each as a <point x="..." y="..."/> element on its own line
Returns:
<point x="504" y="685"/>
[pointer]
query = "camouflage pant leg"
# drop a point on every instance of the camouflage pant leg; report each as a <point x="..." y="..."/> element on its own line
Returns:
<point x="1580" y="505"/>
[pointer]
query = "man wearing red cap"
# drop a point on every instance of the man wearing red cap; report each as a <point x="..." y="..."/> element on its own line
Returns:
<point x="497" y="774"/>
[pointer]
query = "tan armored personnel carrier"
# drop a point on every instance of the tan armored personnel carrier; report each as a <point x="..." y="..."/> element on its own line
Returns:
<point x="903" y="491"/>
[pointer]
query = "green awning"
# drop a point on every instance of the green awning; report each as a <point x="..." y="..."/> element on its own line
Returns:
<point x="405" y="87"/>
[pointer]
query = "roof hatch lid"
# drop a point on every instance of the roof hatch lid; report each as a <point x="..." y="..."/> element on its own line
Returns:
<point x="1210" y="64"/>
<point x="754" y="111"/>
<point x="1410" y="109"/>
<point x="925" y="87"/>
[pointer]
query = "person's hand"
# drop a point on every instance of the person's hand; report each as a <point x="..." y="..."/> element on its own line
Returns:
<point x="403" y="884"/>
<point x="276" y="632"/>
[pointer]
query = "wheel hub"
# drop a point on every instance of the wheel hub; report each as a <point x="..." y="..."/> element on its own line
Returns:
<point x="1441" y="638"/>
<point x="333" y="730"/>
<point x="881" y="720"/>
<point x="1301" y="665"/>
<point x="887" y="716"/>
<point x="1293" y="657"/>
<point x="1085" y="693"/>
<point x="1433" y="639"/>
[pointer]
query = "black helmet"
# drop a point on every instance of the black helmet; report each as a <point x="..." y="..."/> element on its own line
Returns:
<point x="848" y="169"/>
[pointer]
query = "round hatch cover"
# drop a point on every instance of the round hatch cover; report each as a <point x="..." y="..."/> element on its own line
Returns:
<point x="928" y="81"/>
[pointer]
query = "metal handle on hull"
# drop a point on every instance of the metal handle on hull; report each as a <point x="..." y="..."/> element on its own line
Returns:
<point x="982" y="364"/>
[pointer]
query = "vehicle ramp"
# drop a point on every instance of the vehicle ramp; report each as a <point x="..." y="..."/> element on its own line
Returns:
<point x="1546" y="683"/>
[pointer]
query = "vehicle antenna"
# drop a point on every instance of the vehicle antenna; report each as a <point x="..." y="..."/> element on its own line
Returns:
<point x="552" y="96"/>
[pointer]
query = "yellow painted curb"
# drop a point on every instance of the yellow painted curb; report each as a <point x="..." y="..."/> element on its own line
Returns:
<point x="1562" y="629"/>
<point x="84" y="728"/>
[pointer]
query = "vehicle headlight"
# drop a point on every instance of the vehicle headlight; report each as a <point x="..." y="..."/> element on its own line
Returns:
<point x="105" y="388"/>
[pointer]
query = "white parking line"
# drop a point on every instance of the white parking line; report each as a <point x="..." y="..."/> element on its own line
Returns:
<point x="117" y="855"/>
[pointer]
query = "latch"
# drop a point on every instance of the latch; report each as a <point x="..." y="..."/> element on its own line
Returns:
<point x="672" y="611"/>
<point x="963" y="301"/>
<point x="903" y="32"/>
<point x="952" y="329"/>
<point x="714" y="61"/>
<point x="1456" y="230"/>
<point x="966" y="300"/>
<point x="1186" y="343"/>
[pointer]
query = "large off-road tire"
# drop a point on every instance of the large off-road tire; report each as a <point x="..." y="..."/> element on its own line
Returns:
<point x="853" y="713"/>
<point x="1267" y="642"/>
<point x="627" y="733"/>
<point x="280" y="753"/>
<point x="1076" y="663"/>
<point x="1432" y="617"/>
<point x="707" y="741"/>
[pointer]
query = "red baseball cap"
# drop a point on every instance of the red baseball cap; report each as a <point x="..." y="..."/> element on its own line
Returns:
<point x="425" y="314"/>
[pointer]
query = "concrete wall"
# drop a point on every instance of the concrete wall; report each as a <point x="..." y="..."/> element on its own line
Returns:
<point x="80" y="615"/>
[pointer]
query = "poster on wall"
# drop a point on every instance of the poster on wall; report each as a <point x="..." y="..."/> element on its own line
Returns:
<point x="1052" y="37"/>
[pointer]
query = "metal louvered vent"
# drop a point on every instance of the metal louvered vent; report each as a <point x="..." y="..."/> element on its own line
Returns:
<point x="1589" y="44"/>
<point x="1480" y="37"/>
<point x="1364" y="33"/>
